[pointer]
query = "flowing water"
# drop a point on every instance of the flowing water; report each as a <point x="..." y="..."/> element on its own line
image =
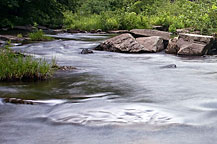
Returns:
<point x="112" y="98"/>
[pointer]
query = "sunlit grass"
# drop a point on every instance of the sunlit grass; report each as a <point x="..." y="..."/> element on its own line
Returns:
<point x="39" y="36"/>
<point x="15" y="67"/>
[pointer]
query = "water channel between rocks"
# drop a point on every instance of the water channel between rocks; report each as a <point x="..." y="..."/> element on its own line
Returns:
<point x="112" y="98"/>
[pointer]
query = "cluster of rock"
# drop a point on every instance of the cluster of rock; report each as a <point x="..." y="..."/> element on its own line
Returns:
<point x="152" y="41"/>
<point x="13" y="39"/>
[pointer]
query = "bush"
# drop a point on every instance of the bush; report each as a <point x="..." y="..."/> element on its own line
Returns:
<point x="132" y="20"/>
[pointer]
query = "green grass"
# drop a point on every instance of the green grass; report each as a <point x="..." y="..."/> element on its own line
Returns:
<point x="16" y="67"/>
<point x="108" y="20"/>
<point x="39" y="35"/>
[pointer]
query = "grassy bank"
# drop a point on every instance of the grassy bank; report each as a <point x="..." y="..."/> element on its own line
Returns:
<point x="198" y="15"/>
<point x="16" y="67"/>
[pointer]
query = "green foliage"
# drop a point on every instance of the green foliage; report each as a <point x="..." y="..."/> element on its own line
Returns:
<point x="19" y="67"/>
<point x="20" y="36"/>
<point x="88" y="22"/>
<point x="199" y="15"/>
<point x="172" y="28"/>
<point x="38" y="35"/>
<point x="106" y="21"/>
<point x="112" y="14"/>
<point x="22" y="12"/>
<point x="130" y="20"/>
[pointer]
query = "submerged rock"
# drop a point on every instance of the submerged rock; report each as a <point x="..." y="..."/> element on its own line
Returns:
<point x="86" y="51"/>
<point x="17" y="101"/>
<point x="64" y="68"/>
<point x="169" y="66"/>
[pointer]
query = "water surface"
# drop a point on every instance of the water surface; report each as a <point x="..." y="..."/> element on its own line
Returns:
<point x="112" y="98"/>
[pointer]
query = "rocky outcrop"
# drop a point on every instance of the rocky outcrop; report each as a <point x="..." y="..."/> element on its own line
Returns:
<point x="148" y="32"/>
<point x="122" y="43"/>
<point x="152" y="44"/>
<point x="190" y="45"/>
<point x="128" y="44"/>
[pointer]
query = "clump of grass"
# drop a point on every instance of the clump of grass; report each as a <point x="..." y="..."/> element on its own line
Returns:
<point x="16" y="67"/>
<point x="39" y="35"/>
<point x="20" y="36"/>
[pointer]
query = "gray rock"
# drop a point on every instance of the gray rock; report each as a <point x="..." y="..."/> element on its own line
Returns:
<point x="190" y="45"/>
<point x="148" y="32"/>
<point x="172" y="47"/>
<point x="193" y="49"/>
<point x="17" y="101"/>
<point x="194" y="45"/>
<point x="169" y="66"/>
<point x="122" y="43"/>
<point x="152" y="44"/>
<point x="118" y="31"/>
<point x="195" y="38"/>
<point x="13" y="38"/>
<point x="86" y="51"/>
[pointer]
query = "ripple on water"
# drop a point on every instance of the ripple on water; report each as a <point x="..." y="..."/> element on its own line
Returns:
<point x="110" y="114"/>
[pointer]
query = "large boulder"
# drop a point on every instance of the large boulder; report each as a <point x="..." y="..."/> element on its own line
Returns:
<point x="122" y="43"/>
<point x="152" y="44"/>
<point x="193" y="49"/>
<point x="148" y="32"/>
<point x="128" y="44"/>
<point x="190" y="45"/>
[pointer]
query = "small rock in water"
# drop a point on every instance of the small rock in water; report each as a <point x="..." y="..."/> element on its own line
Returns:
<point x="169" y="66"/>
<point x="17" y="101"/>
<point x="65" y="68"/>
<point x="86" y="51"/>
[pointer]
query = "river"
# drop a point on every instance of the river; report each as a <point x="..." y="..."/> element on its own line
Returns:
<point x="112" y="98"/>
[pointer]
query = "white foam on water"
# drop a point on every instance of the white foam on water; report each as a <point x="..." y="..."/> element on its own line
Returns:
<point x="117" y="114"/>
<point x="50" y="102"/>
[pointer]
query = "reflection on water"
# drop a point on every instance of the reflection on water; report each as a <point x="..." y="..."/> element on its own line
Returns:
<point x="113" y="98"/>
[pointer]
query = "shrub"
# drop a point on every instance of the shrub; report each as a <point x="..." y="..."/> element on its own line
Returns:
<point x="172" y="28"/>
